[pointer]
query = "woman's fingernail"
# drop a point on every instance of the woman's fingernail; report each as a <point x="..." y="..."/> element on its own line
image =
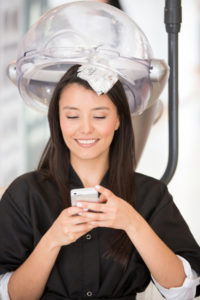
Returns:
<point x="79" y="204"/>
<point x="85" y="209"/>
<point x="98" y="187"/>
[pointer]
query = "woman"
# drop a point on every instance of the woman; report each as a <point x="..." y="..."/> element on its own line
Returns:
<point x="51" y="250"/>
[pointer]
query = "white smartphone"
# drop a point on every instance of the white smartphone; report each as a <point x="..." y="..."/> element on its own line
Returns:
<point x="83" y="194"/>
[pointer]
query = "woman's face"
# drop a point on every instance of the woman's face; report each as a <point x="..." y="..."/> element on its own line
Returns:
<point x="87" y="122"/>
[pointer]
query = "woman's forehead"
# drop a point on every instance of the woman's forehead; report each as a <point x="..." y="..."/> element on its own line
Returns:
<point x="77" y="96"/>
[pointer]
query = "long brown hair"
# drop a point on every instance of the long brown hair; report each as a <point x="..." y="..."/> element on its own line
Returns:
<point x="121" y="156"/>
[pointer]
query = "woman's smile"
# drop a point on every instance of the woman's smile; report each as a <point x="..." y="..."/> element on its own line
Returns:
<point x="86" y="143"/>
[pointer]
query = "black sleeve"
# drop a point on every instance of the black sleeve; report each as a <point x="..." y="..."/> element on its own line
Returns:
<point x="15" y="232"/>
<point x="170" y="226"/>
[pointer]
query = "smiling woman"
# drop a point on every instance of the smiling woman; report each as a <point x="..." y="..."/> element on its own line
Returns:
<point x="88" y="123"/>
<point x="51" y="250"/>
<point x="81" y="116"/>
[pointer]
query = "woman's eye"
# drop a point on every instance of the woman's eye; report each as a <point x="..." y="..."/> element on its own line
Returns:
<point x="72" y="117"/>
<point x="98" y="117"/>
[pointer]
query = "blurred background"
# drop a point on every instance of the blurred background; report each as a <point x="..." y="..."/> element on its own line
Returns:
<point x="24" y="132"/>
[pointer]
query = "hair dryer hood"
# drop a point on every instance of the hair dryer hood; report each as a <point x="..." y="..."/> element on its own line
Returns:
<point x="84" y="32"/>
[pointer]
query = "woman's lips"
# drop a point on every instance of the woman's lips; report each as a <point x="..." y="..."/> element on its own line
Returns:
<point x="86" y="143"/>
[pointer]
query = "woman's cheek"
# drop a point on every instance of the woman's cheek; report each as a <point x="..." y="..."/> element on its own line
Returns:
<point x="107" y="128"/>
<point x="68" y="128"/>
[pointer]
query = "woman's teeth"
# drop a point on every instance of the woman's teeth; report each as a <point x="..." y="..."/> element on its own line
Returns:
<point x="86" y="141"/>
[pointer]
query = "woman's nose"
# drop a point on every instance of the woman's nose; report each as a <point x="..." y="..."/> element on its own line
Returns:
<point x="86" y="125"/>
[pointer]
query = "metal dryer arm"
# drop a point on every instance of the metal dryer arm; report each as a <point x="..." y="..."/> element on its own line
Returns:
<point x="172" y="19"/>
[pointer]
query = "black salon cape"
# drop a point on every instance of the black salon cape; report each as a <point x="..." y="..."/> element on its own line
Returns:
<point x="29" y="207"/>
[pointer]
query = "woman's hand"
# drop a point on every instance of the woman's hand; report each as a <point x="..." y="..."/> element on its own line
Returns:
<point x="115" y="213"/>
<point x="68" y="227"/>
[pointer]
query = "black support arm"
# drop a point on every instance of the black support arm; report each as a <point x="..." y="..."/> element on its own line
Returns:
<point x="172" y="18"/>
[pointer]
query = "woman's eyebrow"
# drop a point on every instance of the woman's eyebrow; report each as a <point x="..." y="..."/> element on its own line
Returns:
<point x="95" y="108"/>
<point x="70" y="107"/>
<point x="101" y="108"/>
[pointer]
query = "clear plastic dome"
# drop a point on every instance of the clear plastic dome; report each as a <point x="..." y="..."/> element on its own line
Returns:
<point x="83" y="32"/>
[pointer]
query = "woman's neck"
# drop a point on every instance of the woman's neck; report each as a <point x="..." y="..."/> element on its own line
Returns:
<point x="90" y="172"/>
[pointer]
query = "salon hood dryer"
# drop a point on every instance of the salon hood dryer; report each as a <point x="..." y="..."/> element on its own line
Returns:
<point x="91" y="32"/>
